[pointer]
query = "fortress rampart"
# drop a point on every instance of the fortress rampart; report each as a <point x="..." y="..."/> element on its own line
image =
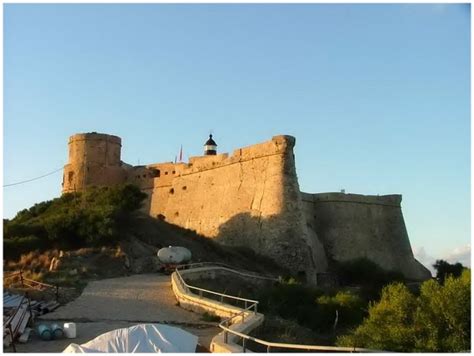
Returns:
<point x="246" y="199"/>
<point x="355" y="226"/>
<point x="252" y="198"/>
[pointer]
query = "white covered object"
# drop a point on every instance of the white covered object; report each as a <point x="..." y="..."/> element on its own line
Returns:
<point x="174" y="254"/>
<point x="140" y="338"/>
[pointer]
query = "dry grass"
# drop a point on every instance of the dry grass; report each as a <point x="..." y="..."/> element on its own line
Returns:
<point x="74" y="267"/>
<point x="27" y="260"/>
<point x="34" y="262"/>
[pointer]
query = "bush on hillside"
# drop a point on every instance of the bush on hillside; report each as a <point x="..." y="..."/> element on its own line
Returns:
<point x="94" y="217"/>
<point x="444" y="269"/>
<point x="20" y="245"/>
<point x="438" y="320"/>
<point x="350" y="307"/>
<point x="367" y="274"/>
<point x="310" y="307"/>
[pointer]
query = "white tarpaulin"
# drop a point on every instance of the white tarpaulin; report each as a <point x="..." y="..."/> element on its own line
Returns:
<point x="140" y="338"/>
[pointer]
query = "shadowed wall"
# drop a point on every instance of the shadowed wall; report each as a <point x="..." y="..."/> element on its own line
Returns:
<point x="353" y="226"/>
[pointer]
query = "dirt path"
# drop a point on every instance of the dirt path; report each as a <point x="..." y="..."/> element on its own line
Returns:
<point x="121" y="302"/>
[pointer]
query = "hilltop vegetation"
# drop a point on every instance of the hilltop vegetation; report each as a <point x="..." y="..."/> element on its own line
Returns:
<point x="93" y="218"/>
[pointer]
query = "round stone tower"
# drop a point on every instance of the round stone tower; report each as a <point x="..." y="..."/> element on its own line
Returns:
<point x="94" y="159"/>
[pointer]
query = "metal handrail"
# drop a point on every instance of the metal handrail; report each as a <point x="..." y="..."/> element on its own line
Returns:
<point x="224" y="325"/>
<point x="219" y="264"/>
<point x="178" y="268"/>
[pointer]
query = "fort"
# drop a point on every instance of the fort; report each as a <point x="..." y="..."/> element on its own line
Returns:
<point x="252" y="198"/>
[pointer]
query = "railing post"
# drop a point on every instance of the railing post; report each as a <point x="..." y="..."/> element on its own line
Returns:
<point x="255" y="309"/>
<point x="222" y="299"/>
<point x="245" y="305"/>
<point x="268" y="348"/>
<point x="200" y="293"/>
<point x="225" y="336"/>
<point x="243" y="344"/>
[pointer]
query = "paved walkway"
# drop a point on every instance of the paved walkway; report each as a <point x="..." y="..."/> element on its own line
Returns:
<point x="115" y="303"/>
<point x="138" y="298"/>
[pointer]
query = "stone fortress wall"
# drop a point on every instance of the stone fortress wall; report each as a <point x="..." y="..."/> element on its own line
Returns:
<point x="252" y="198"/>
<point x="354" y="225"/>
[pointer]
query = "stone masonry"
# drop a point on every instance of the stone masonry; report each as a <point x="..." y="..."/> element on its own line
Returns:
<point x="252" y="198"/>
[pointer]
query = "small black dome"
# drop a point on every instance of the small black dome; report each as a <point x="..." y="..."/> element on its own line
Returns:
<point x="210" y="142"/>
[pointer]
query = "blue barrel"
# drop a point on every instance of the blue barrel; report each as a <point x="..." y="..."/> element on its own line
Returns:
<point x="57" y="331"/>
<point x="45" y="332"/>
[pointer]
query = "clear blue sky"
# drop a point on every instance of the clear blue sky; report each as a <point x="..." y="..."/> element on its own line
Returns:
<point x="377" y="96"/>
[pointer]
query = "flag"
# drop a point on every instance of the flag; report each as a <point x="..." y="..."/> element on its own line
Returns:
<point x="175" y="157"/>
<point x="181" y="154"/>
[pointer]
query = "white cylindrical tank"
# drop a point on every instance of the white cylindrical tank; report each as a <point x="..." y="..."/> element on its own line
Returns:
<point x="69" y="330"/>
<point x="174" y="254"/>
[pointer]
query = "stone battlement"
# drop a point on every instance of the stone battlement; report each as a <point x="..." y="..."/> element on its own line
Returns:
<point x="387" y="200"/>
<point x="278" y="145"/>
<point x="90" y="136"/>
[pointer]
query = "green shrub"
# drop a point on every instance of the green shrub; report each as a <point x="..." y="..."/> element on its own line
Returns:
<point x="367" y="274"/>
<point x="285" y="299"/>
<point x="14" y="247"/>
<point x="310" y="308"/>
<point x="95" y="217"/>
<point x="444" y="269"/>
<point x="443" y="317"/>
<point x="439" y="320"/>
<point x="350" y="307"/>
<point x="15" y="228"/>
